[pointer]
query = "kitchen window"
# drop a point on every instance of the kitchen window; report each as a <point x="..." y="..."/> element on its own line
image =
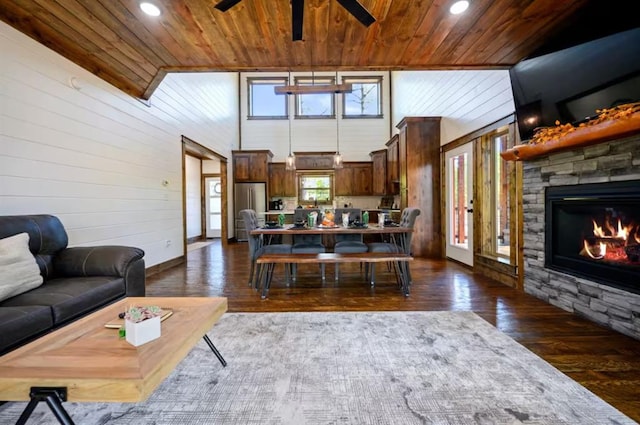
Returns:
<point x="264" y="103"/>
<point x="365" y="101"/>
<point x="315" y="105"/>
<point x="315" y="188"/>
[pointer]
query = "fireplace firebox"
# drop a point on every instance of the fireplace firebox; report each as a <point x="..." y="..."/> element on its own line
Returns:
<point x="593" y="231"/>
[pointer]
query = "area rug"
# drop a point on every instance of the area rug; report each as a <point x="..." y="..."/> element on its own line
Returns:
<point x="354" y="368"/>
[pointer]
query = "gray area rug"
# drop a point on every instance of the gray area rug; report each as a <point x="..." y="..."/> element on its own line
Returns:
<point x="354" y="368"/>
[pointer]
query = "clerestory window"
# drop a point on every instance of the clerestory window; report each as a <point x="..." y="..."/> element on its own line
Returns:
<point x="264" y="103"/>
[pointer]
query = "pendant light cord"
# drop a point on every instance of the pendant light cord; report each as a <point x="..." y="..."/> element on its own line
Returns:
<point x="289" y="116"/>
<point x="337" y="122"/>
<point x="337" y="135"/>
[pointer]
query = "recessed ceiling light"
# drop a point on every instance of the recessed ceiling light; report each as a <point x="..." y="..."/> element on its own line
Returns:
<point x="459" y="7"/>
<point x="150" y="9"/>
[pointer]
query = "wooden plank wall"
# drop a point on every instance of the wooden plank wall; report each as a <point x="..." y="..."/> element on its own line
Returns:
<point x="467" y="100"/>
<point x="96" y="157"/>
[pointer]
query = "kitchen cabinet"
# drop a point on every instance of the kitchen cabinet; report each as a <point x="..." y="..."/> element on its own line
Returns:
<point x="420" y="187"/>
<point x="354" y="179"/>
<point x="281" y="181"/>
<point x="251" y="166"/>
<point x="379" y="182"/>
<point x="393" y="166"/>
<point x="314" y="160"/>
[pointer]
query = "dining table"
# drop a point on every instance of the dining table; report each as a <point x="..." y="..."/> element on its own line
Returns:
<point x="396" y="233"/>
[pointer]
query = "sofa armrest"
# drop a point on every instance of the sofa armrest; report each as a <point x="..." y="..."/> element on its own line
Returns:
<point x="109" y="260"/>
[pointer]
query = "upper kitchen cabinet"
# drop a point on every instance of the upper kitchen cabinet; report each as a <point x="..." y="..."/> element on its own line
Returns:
<point x="354" y="179"/>
<point x="419" y="167"/>
<point x="379" y="171"/>
<point x="281" y="181"/>
<point x="393" y="167"/>
<point x="314" y="160"/>
<point x="251" y="166"/>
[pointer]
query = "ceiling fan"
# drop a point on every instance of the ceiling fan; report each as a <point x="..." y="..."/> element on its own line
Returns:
<point x="297" y="12"/>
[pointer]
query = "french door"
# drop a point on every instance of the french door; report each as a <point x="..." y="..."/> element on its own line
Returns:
<point x="459" y="203"/>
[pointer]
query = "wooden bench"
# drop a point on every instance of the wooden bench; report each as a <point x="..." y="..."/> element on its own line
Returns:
<point x="270" y="260"/>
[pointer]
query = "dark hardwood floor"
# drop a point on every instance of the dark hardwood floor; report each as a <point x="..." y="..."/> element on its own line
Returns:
<point x="604" y="361"/>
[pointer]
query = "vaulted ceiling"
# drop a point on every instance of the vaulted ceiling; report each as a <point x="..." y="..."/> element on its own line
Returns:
<point x="116" y="41"/>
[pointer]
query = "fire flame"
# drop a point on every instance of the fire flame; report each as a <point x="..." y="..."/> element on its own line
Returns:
<point x="621" y="233"/>
<point x="601" y="254"/>
<point x="610" y="242"/>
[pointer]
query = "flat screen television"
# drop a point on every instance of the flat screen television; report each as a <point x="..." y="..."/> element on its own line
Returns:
<point x="569" y="85"/>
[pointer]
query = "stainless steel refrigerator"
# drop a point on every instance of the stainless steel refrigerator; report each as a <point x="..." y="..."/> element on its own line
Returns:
<point x="249" y="196"/>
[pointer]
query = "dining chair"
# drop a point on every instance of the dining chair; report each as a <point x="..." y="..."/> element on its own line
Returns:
<point x="257" y="247"/>
<point x="399" y="245"/>
<point x="351" y="243"/>
<point x="307" y="244"/>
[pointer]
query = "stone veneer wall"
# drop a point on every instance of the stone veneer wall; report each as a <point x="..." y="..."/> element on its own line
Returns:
<point x="609" y="161"/>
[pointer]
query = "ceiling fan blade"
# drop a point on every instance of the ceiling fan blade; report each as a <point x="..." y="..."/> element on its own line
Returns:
<point x="358" y="11"/>
<point x="225" y="5"/>
<point x="297" y="13"/>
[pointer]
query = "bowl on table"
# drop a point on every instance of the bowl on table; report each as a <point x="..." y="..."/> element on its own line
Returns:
<point x="271" y="224"/>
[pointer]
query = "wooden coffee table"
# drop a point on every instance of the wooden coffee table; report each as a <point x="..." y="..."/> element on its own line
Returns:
<point x="84" y="361"/>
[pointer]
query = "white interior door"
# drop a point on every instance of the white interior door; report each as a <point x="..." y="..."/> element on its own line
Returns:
<point x="459" y="172"/>
<point x="213" y="210"/>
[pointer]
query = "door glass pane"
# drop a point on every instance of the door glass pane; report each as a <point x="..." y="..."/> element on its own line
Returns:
<point x="215" y="205"/>
<point x="216" y="222"/>
<point x="460" y="199"/>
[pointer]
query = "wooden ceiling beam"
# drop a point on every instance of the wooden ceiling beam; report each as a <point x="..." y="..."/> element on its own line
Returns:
<point x="314" y="89"/>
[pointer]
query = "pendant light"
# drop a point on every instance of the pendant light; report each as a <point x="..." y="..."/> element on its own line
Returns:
<point x="337" y="158"/>
<point x="290" y="163"/>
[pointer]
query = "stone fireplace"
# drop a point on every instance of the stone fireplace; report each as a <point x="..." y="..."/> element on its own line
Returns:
<point x="582" y="231"/>
<point x="593" y="231"/>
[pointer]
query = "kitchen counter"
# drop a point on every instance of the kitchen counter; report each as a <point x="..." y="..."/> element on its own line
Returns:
<point x="276" y="212"/>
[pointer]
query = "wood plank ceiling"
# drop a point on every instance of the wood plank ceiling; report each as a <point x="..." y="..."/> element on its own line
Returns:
<point x="116" y="41"/>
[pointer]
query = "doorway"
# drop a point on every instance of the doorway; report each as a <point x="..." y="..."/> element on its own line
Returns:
<point x="210" y="164"/>
<point x="459" y="194"/>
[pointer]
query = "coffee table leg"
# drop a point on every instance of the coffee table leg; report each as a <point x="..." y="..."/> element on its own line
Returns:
<point x="215" y="350"/>
<point x="53" y="396"/>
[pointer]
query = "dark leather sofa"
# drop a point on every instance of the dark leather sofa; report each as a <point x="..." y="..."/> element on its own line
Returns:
<point x="77" y="280"/>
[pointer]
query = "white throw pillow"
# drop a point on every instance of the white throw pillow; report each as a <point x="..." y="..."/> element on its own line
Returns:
<point x="19" y="271"/>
